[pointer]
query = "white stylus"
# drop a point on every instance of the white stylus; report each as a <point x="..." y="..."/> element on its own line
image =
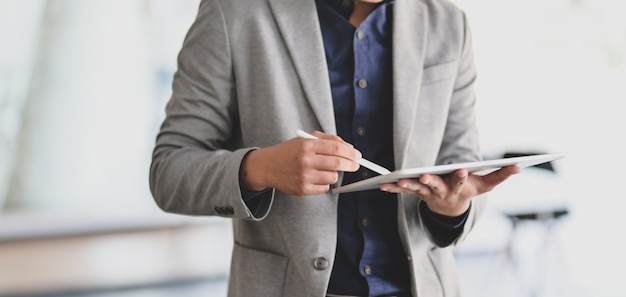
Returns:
<point x="365" y="163"/>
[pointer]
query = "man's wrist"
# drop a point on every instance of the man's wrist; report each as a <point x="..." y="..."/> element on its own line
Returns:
<point x="450" y="212"/>
<point x="249" y="175"/>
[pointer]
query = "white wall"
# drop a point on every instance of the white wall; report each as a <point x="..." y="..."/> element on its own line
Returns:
<point x="551" y="78"/>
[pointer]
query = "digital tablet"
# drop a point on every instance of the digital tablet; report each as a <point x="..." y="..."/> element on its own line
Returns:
<point x="479" y="167"/>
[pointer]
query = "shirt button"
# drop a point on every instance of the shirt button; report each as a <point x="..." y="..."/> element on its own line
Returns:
<point x="360" y="35"/>
<point x="362" y="83"/>
<point x="320" y="263"/>
<point x="360" y="131"/>
<point x="346" y="3"/>
<point x="367" y="270"/>
<point x="365" y="174"/>
<point x="365" y="221"/>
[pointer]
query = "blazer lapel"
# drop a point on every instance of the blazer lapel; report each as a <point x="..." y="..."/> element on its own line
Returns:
<point x="409" y="46"/>
<point x="409" y="49"/>
<point x="299" y="26"/>
<point x="306" y="49"/>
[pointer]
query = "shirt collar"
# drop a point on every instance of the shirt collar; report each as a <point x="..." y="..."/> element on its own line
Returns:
<point x="345" y="7"/>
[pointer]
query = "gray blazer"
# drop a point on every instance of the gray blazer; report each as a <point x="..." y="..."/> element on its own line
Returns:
<point x="250" y="73"/>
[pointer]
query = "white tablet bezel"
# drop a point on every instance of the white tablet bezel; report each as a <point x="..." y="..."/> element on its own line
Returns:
<point x="479" y="167"/>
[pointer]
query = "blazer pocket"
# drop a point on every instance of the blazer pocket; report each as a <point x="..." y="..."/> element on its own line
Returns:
<point x="439" y="72"/>
<point x="256" y="273"/>
<point x="444" y="264"/>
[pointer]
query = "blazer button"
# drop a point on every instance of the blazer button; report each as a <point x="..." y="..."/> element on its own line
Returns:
<point x="320" y="263"/>
<point x="229" y="210"/>
<point x="219" y="210"/>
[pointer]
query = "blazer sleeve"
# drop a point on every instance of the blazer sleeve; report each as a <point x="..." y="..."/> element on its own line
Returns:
<point x="196" y="159"/>
<point x="461" y="142"/>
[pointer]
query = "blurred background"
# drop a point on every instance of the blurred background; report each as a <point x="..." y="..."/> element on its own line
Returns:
<point x="83" y="85"/>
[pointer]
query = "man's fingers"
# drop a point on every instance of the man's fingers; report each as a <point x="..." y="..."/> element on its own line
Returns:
<point x="333" y="163"/>
<point x="457" y="180"/>
<point x="502" y="174"/>
<point x="322" y="135"/>
<point x="339" y="149"/>
<point x="335" y="145"/>
<point x="332" y="148"/>
<point x="489" y="181"/>
<point x="406" y="185"/>
<point x="434" y="182"/>
<point x="323" y="178"/>
<point x="310" y="189"/>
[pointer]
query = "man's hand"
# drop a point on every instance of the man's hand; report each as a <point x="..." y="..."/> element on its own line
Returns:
<point x="299" y="166"/>
<point x="450" y="194"/>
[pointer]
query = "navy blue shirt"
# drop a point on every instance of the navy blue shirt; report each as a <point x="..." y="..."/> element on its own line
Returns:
<point x="370" y="259"/>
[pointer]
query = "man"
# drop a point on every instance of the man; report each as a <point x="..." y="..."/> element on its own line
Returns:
<point x="390" y="81"/>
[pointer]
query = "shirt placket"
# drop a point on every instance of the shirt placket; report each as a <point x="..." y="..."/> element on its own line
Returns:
<point x="362" y="104"/>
